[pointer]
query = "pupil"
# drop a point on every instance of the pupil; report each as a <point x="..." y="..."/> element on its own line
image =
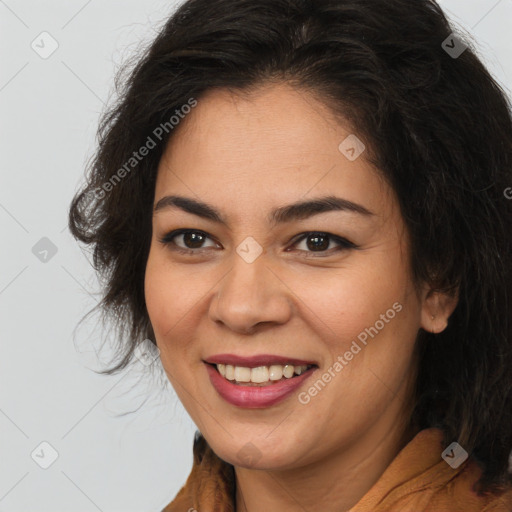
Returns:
<point x="315" y="239"/>
<point x="193" y="238"/>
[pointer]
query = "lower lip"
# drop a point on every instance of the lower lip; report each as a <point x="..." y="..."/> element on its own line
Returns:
<point x="255" y="397"/>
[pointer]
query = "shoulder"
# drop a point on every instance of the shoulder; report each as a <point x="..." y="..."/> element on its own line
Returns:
<point x="459" y="494"/>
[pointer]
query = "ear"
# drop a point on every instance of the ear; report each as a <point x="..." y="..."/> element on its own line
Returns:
<point x="436" y="309"/>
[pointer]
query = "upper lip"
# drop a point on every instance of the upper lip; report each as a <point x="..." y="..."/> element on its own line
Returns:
<point x="256" y="360"/>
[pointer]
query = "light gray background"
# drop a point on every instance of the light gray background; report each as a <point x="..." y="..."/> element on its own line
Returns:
<point x="49" y="110"/>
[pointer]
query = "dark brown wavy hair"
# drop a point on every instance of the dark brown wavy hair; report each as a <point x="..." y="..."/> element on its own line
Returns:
<point x="438" y="127"/>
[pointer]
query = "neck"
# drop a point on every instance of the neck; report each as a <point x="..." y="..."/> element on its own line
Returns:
<point x="335" y="483"/>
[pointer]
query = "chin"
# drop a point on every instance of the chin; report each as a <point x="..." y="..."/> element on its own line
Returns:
<point x="258" y="454"/>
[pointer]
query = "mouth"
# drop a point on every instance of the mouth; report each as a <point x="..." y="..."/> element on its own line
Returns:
<point x="258" y="381"/>
<point x="262" y="375"/>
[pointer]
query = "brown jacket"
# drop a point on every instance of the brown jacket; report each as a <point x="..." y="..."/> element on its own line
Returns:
<point x="417" y="480"/>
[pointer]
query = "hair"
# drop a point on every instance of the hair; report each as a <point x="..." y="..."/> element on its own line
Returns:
<point x="437" y="127"/>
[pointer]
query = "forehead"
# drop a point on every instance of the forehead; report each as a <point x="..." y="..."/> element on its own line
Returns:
<point x="273" y="145"/>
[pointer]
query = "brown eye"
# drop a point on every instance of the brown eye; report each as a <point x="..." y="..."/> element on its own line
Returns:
<point x="320" y="242"/>
<point x="191" y="240"/>
<point x="317" y="242"/>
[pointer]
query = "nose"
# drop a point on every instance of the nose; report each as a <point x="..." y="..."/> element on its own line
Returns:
<point x="250" y="295"/>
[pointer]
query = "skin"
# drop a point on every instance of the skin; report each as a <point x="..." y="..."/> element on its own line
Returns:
<point x="246" y="154"/>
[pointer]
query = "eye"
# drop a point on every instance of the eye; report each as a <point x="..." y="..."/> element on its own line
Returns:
<point x="192" y="240"/>
<point x="319" y="242"/>
<point x="315" y="242"/>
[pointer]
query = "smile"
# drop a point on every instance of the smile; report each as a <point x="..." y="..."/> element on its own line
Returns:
<point x="262" y="375"/>
<point x="258" y="381"/>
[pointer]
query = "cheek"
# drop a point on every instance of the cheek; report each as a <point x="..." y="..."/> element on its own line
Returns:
<point x="176" y="303"/>
<point x="367" y="316"/>
<point x="156" y="294"/>
<point x="167" y="299"/>
<point x="346" y="301"/>
<point x="167" y="305"/>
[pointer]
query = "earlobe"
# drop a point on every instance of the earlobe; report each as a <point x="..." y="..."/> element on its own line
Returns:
<point x="436" y="310"/>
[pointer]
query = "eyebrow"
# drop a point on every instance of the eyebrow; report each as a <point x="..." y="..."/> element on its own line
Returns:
<point x="295" y="211"/>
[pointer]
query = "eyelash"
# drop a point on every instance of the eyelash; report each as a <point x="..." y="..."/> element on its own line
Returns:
<point x="344" y="244"/>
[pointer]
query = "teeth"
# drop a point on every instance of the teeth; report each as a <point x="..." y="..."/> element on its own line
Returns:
<point x="275" y="372"/>
<point x="230" y="372"/>
<point x="260" y="374"/>
<point x="288" y="370"/>
<point x="242" y="374"/>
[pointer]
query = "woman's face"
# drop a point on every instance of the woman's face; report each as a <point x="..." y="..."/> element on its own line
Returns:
<point x="259" y="287"/>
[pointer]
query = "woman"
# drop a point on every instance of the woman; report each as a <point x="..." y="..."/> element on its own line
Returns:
<point x="303" y="204"/>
